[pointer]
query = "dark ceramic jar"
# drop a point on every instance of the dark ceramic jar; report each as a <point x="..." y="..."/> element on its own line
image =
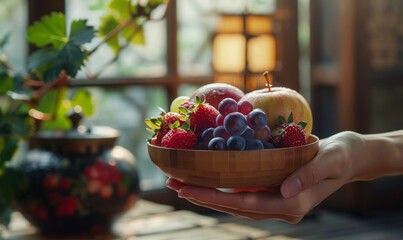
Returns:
<point x="77" y="181"/>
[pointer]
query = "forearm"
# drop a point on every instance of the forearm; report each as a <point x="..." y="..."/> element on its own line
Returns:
<point x="380" y="155"/>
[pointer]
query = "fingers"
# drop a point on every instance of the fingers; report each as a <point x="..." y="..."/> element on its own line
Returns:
<point x="330" y="162"/>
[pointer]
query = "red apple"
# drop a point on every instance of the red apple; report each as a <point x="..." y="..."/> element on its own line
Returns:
<point x="276" y="101"/>
<point x="213" y="93"/>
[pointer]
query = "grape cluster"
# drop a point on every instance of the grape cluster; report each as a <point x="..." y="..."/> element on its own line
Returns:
<point x="239" y="127"/>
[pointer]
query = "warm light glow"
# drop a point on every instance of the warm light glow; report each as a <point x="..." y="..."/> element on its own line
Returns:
<point x="230" y="24"/>
<point x="229" y="53"/>
<point x="262" y="53"/>
<point x="259" y="24"/>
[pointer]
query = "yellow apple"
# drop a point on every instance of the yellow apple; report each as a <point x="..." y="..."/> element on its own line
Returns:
<point x="281" y="101"/>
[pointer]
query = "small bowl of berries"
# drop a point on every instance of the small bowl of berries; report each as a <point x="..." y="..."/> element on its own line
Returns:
<point x="222" y="138"/>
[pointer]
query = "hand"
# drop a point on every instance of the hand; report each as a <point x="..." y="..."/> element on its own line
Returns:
<point x="338" y="162"/>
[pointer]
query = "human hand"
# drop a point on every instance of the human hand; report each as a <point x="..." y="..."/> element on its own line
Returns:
<point x="304" y="189"/>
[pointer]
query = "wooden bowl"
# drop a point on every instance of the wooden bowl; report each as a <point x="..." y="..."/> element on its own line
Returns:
<point x="233" y="169"/>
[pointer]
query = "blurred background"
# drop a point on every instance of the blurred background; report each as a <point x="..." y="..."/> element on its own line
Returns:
<point x="344" y="56"/>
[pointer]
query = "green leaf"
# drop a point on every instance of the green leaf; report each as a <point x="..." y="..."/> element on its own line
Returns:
<point x="10" y="183"/>
<point x="290" y="118"/>
<point x="302" y="124"/>
<point x="83" y="98"/>
<point x="108" y="24"/>
<point x="6" y="83"/>
<point x="49" y="30"/>
<point x="134" y="34"/>
<point x="48" y="101"/>
<point x="120" y="8"/>
<point x="80" y="32"/>
<point x="8" y="147"/>
<point x="71" y="58"/>
<point x="282" y="120"/>
<point x="41" y="60"/>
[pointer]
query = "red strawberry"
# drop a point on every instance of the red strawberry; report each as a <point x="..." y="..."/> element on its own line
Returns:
<point x="202" y="116"/>
<point x="293" y="136"/>
<point x="159" y="126"/>
<point x="179" y="138"/>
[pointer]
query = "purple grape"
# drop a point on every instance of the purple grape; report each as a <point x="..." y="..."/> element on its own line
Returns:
<point x="207" y="135"/>
<point x="253" y="144"/>
<point x="221" y="132"/>
<point x="227" y="106"/>
<point x="235" y="123"/>
<point x="219" y="120"/>
<point x="245" y="107"/>
<point x="248" y="134"/>
<point x="217" y="143"/>
<point x="268" y="145"/>
<point x="257" y="119"/>
<point x="236" y="142"/>
<point x="263" y="134"/>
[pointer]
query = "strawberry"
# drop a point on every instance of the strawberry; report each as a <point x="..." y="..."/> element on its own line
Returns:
<point x="180" y="138"/>
<point x="289" y="134"/>
<point x="293" y="136"/>
<point x="159" y="126"/>
<point x="202" y="116"/>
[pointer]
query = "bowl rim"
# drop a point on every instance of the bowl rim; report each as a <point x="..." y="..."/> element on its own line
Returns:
<point x="316" y="139"/>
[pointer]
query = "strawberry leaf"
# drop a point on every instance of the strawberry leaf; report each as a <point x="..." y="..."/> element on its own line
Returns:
<point x="282" y="120"/>
<point x="290" y="118"/>
<point x="302" y="124"/>
<point x="107" y="25"/>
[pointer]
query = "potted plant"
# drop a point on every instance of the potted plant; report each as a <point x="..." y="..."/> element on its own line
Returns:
<point x="40" y="99"/>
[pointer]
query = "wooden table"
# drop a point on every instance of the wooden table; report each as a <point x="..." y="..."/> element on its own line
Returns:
<point x="151" y="221"/>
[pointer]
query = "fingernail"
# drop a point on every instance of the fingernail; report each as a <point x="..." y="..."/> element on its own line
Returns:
<point x="292" y="187"/>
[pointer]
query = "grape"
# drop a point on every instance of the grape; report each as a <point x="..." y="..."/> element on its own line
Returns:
<point x="263" y="134"/>
<point x="248" y="134"/>
<point x="235" y="143"/>
<point x="219" y="120"/>
<point x="235" y="123"/>
<point x="257" y="119"/>
<point x="177" y="102"/>
<point x="227" y="106"/>
<point x="245" y="107"/>
<point x="207" y="135"/>
<point x="221" y="132"/>
<point x="217" y="143"/>
<point x="201" y="146"/>
<point x="253" y="144"/>
<point x="268" y="145"/>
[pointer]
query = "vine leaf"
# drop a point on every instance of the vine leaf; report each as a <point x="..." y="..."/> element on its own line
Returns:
<point x="50" y="30"/>
<point x="63" y="52"/>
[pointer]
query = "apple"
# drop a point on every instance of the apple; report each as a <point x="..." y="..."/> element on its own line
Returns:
<point x="213" y="93"/>
<point x="281" y="101"/>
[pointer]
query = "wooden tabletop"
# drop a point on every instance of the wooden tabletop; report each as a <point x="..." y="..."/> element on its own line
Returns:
<point x="151" y="221"/>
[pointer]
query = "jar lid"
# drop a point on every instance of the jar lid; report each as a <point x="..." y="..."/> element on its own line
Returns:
<point x="79" y="139"/>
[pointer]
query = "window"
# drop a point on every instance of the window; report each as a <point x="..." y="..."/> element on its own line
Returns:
<point x="176" y="59"/>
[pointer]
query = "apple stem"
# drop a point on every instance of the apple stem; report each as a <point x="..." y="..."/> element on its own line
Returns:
<point x="268" y="78"/>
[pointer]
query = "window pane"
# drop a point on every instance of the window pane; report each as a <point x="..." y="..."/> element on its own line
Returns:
<point x="148" y="60"/>
<point x="125" y="109"/>
<point x="198" y="20"/>
<point x="13" y="21"/>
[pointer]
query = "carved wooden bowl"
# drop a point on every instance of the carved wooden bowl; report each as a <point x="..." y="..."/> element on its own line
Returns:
<point x="233" y="169"/>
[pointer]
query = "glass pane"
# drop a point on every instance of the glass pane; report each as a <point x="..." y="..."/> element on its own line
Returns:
<point x="259" y="24"/>
<point x="13" y="22"/>
<point x="229" y="53"/>
<point x="148" y="60"/>
<point x="125" y="109"/>
<point x="261" y="53"/>
<point x="199" y="20"/>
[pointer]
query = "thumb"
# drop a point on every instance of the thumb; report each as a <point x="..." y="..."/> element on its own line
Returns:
<point x="328" y="163"/>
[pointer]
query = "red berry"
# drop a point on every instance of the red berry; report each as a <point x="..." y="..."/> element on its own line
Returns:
<point x="293" y="136"/>
<point x="202" y="117"/>
<point x="179" y="138"/>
